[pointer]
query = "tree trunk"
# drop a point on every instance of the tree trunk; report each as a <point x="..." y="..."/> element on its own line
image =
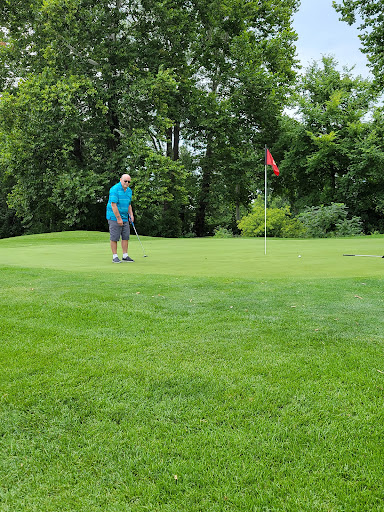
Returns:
<point x="200" y="223"/>
<point x="176" y="141"/>
<point x="237" y="190"/>
<point x="77" y="149"/>
<point x="173" y="141"/>
<point x="169" y="143"/>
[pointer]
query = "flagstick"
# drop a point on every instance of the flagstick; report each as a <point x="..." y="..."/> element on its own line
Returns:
<point x="265" y="200"/>
<point x="268" y="161"/>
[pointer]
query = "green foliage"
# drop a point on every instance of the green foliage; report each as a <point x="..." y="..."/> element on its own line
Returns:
<point x="50" y="185"/>
<point x="363" y="185"/>
<point x="333" y="152"/>
<point x="314" y="222"/>
<point x="369" y="15"/>
<point x="279" y="222"/>
<point x="223" y="233"/>
<point x="9" y="223"/>
<point x="90" y="76"/>
<point x="326" y="221"/>
<point x="159" y="192"/>
<point x="247" y="85"/>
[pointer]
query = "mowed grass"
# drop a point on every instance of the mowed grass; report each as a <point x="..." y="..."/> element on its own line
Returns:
<point x="205" y="257"/>
<point x="206" y="377"/>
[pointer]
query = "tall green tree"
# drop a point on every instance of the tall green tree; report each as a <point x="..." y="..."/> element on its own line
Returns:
<point x="246" y="54"/>
<point x="369" y="15"/>
<point x="233" y="65"/>
<point x="75" y="66"/>
<point x="52" y="187"/>
<point x="124" y="83"/>
<point x="362" y="187"/>
<point x="316" y="145"/>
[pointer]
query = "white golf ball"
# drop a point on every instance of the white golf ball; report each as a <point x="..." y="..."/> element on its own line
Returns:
<point x="299" y="256"/>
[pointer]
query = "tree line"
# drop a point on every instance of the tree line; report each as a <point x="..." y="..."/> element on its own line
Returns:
<point x="183" y="95"/>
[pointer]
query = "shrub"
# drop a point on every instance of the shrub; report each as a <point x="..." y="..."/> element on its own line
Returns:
<point x="327" y="221"/>
<point x="221" y="232"/>
<point x="349" y="227"/>
<point x="279" y="222"/>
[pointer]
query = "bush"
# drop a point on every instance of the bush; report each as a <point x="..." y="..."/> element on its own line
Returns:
<point x="327" y="221"/>
<point x="223" y="233"/>
<point x="349" y="227"/>
<point x="279" y="222"/>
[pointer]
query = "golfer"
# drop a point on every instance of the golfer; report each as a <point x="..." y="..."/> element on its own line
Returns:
<point x="118" y="209"/>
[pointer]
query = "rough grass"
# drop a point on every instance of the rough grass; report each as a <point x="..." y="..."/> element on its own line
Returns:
<point x="128" y="390"/>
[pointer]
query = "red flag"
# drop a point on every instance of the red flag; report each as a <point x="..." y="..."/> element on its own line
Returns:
<point x="270" y="161"/>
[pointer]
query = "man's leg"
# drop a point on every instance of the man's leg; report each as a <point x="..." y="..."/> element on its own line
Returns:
<point x="114" y="230"/>
<point x="124" y="242"/>
<point x="114" y="247"/>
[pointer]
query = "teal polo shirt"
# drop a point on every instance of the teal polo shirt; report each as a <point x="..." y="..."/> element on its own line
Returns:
<point x="122" y="199"/>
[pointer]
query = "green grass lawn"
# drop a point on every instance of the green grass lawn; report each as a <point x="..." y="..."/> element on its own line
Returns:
<point x="206" y="377"/>
<point x="209" y="257"/>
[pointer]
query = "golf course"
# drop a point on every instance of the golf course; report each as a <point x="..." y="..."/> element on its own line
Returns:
<point x="206" y="377"/>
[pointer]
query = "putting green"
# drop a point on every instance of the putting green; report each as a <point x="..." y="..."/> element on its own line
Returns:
<point x="230" y="257"/>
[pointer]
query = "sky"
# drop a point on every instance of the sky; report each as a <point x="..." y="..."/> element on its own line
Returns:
<point x="321" y="33"/>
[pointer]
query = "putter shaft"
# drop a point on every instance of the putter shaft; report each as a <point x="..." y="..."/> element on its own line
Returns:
<point x="366" y="255"/>
<point x="138" y="237"/>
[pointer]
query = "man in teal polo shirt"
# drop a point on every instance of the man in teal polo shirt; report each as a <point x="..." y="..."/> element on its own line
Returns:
<point x="119" y="210"/>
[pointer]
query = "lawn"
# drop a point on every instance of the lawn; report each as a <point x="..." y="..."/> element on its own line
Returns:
<point x="206" y="377"/>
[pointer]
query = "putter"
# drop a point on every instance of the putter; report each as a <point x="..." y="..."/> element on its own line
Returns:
<point x="366" y="255"/>
<point x="144" y="255"/>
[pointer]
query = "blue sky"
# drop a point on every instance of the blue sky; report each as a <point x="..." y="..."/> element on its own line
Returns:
<point x="321" y="33"/>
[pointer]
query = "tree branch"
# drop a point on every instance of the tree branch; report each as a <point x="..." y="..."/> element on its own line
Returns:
<point x="78" y="54"/>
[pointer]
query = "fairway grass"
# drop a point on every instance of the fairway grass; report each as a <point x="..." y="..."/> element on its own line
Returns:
<point x="207" y="377"/>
